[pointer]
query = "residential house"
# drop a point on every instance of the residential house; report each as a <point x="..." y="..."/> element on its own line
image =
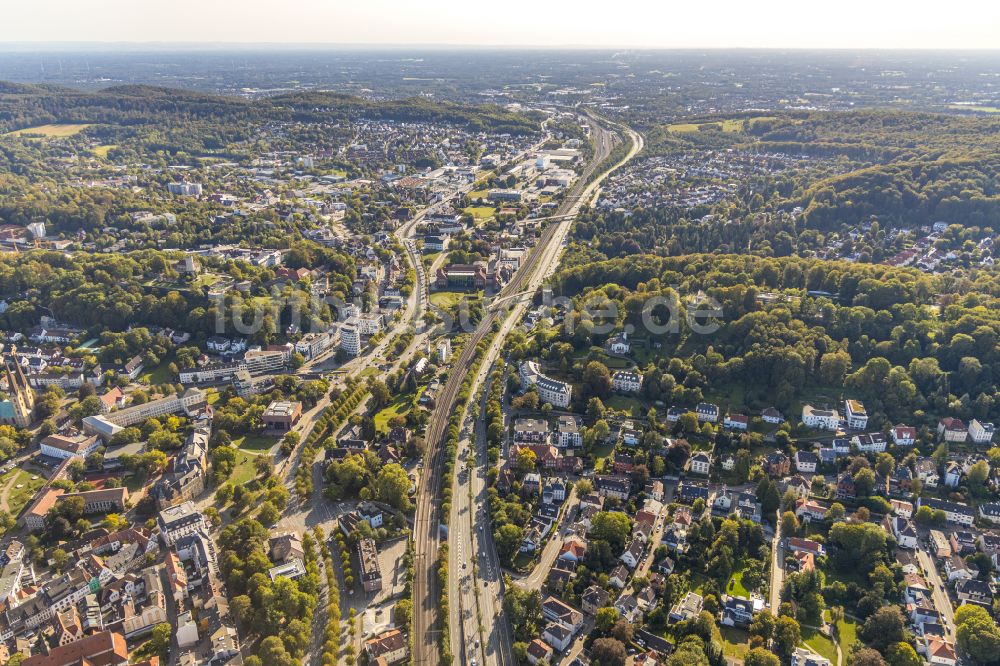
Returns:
<point x="387" y="647"/>
<point x="632" y="554"/>
<point x="952" y="430"/>
<point x="556" y="610"/>
<point x="821" y="419"/>
<point x="736" y="422"/>
<point x="903" y="435"/>
<point x="955" y="512"/>
<point x="776" y="464"/>
<point x="700" y="463"/>
<point x="594" y="598"/>
<point x="981" y="433"/>
<point x="687" y="608"/>
<point x="736" y="612"/>
<point x="952" y="474"/>
<point x="856" y="415"/>
<point x="626" y="381"/>
<point x="806" y="462"/>
<point x="707" y="412"/>
<point x="613" y="486"/>
<point x="569" y="431"/>
<point x="558" y="635"/>
<point x="539" y="652"/>
<point x="772" y="415"/>
<point x="874" y="442"/>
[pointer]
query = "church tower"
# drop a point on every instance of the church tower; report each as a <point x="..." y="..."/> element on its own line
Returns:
<point x="22" y="398"/>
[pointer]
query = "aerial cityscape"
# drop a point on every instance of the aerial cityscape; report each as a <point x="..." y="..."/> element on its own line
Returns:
<point x="396" y="352"/>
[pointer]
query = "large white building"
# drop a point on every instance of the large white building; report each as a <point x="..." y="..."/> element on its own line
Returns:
<point x="179" y="521"/>
<point x="370" y="323"/>
<point x="550" y="390"/>
<point x="857" y="417"/>
<point x="64" y="447"/>
<point x="626" y="381"/>
<point x="350" y="337"/>
<point x="106" y="425"/>
<point x="824" y="419"/>
<point x="313" y="344"/>
<point x="981" y="433"/>
<point x="185" y="189"/>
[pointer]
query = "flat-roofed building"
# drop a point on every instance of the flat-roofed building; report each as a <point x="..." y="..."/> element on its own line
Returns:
<point x="282" y="415"/>
<point x="371" y="575"/>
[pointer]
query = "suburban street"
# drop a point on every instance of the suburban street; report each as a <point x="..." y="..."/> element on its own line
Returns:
<point x="938" y="593"/>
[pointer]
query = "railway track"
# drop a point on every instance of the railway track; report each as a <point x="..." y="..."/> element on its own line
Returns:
<point x="427" y="532"/>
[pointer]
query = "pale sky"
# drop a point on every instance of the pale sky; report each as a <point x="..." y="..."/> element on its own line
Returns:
<point x="967" y="24"/>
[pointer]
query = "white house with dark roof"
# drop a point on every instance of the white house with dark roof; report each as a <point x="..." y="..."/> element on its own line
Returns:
<point x="806" y="462"/>
<point x="626" y="381"/>
<point x="707" y="412"/>
<point x="701" y="463"/>
<point x="772" y="415"/>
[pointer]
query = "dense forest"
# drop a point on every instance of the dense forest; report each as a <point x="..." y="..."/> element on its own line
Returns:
<point x="114" y="291"/>
<point x="24" y="105"/>
<point x="912" y="346"/>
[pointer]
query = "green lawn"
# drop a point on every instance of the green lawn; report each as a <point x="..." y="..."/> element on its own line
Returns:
<point x="820" y="643"/>
<point x="735" y="642"/>
<point x="847" y="633"/>
<point x="735" y="586"/>
<point x="398" y="407"/>
<point x="481" y="213"/>
<point x="159" y="375"/>
<point x="633" y="406"/>
<point x="102" y="151"/>
<point x="601" y="453"/>
<point x="244" y="472"/>
<point x="256" y="443"/>
<point x="17" y="498"/>
<point x="731" y="125"/>
<point x="450" y="301"/>
<point x="52" y="131"/>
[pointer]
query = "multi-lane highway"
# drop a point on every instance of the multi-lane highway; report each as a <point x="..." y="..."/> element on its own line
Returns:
<point x="427" y="534"/>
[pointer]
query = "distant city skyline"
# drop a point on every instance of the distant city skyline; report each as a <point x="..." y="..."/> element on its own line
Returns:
<point x="886" y="24"/>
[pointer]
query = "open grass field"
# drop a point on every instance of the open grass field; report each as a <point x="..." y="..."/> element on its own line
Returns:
<point x="256" y="443"/>
<point x="17" y="497"/>
<point x="449" y="300"/>
<point x="102" y="151"/>
<point x="633" y="406"/>
<point x="244" y="471"/>
<point x="731" y="125"/>
<point x="481" y="213"/>
<point x="54" y="131"/>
